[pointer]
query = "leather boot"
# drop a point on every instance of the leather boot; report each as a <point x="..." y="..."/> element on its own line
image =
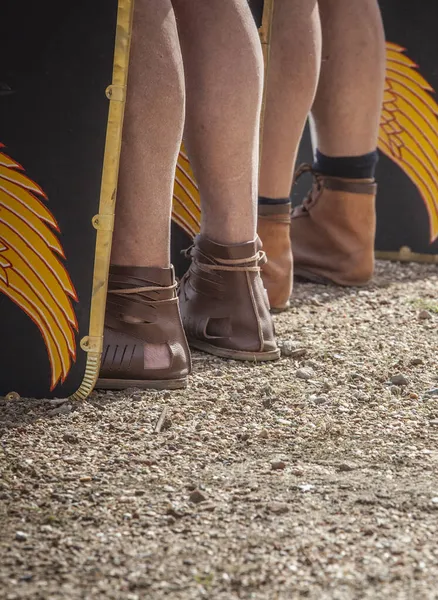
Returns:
<point x="274" y="232"/>
<point x="144" y="343"/>
<point x="333" y="231"/>
<point x="224" y="306"/>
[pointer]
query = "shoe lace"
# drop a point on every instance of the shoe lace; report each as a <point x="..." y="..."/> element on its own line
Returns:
<point x="243" y="265"/>
<point x="302" y="169"/>
<point x="147" y="288"/>
<point x="308" y="168"/>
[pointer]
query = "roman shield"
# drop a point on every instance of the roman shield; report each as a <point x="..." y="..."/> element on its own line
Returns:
<point x="62" y="88"/>
<point x="407" y="202"/>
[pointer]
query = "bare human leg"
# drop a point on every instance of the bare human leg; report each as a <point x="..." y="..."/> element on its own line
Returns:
<point x="144" y="342"/>
<point x="333" y="231"/>
<point x="223" y="304"/>
<point x="349" y="98"/>
<point x="292" y="80"/>
<point x="154" y="122"/>
<point x="224" y="78"/>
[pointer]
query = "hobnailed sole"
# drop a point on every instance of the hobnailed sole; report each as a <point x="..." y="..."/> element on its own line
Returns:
<point x="235" y="354"/>
<point x="142" y="384"/>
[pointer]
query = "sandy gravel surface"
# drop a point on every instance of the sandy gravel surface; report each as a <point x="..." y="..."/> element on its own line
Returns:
<point x="315" y="477"/>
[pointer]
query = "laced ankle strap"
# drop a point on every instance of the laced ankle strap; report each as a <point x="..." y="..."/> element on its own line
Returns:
<point x="140" y="290"/>
<point x="229" y="264"/>
<point x="302" y="169"/>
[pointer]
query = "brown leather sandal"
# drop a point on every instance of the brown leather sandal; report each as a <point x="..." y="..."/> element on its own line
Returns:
<point x="144" y="341"/>
<point x="224" y="306"/>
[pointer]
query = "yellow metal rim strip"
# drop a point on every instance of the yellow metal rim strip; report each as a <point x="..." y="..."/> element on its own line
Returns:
<point x="405" y="254"/>
<point x="265" y="32"/>
<point x="103" y="222"/>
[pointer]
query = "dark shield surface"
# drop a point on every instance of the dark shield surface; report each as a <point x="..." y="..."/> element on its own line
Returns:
<point x="57" y="61"/>
<point x="407" y="203"/>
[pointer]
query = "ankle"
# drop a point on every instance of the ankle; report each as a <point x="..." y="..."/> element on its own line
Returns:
<point x="347" y="167"/>
<point x="266" y="201"/>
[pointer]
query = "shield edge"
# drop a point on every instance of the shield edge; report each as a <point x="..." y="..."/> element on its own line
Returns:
<point x="265" y="33"/>
<point x="103" y="222"/>
<point x="405" y="254"/>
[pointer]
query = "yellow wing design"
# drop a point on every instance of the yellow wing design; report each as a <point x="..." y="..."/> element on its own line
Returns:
<point x="409" y="127"/>
<point x="186" y="210"/>
<point x="31" y="273"/>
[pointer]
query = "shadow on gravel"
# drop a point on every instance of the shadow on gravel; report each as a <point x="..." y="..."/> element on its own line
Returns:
<point x="387" y="274"/>
<point x="26" y="411"/>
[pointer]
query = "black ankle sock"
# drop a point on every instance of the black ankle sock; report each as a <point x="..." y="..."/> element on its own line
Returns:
<point x="272" y="201"/>
<point x="348" y="167"/>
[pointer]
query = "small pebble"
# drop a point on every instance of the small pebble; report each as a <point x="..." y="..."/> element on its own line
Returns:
<point x="424" y="315"/>
<point x="292" y="349"/>
<point x="346" y="467"/>
<point x="399" y="379"/>
<point x="311" y="364"/>
<point x="297" y="471"/>
<point x="264" y="434"/>
<point x="306" y="487"/>
<point x="197" y="497"/>
<point x="20" y="536"/>
<point x="318" y="399"/>
<point x="298" y="353"/>
<point x="415" y="362"/>
<point x="278" y="508"/>
<point x="64" y="409"/>
<point x="278" y="465"/>
<point x="305" y="373"/>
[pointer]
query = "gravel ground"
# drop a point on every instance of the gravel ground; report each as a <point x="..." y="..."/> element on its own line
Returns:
<point x="311" y="478"/>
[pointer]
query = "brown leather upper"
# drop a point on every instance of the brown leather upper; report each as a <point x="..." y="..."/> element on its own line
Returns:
<point x="274" y="231"/>
<point x="222" y="298"/>
<point x="142" y="310"/>
<point x="333" y="230"/>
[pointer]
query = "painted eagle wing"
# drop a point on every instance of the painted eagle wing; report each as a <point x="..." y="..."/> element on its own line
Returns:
<point x="31" y="272"/>
<point x="409" y="128"/>
<point x="186" y="209"/>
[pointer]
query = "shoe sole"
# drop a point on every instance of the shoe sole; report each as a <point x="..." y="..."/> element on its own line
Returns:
<point x="312" y="277"/>
<point x="321" y="280"/>
<point x="276" y="310"/>
<point x="142" y="384"/>
<point x="235" y="354"/>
